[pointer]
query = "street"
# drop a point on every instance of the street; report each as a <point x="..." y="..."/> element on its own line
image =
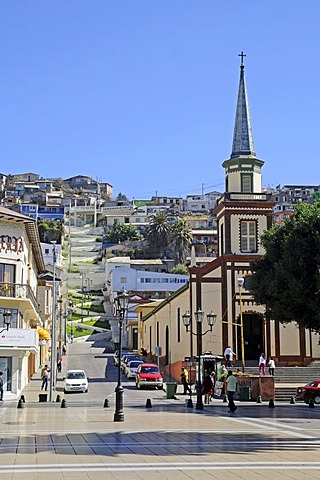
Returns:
<point x="44" y="441"/>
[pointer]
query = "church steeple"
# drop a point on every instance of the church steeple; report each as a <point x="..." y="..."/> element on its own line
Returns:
<point x="243" y="169"/>
<point x="242" y="136"/>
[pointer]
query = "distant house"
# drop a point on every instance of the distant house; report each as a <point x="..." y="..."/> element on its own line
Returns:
<point x="84" y="184"/>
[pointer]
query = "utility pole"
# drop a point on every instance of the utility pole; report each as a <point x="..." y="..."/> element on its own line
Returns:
<point x="53" y="327"/>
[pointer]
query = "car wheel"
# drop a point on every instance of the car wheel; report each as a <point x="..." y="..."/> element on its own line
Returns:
<point x="306" y="401"/>
<point x="65" y="391"/>
<point x="160" y="388"/>
<point x="316" y="399"/>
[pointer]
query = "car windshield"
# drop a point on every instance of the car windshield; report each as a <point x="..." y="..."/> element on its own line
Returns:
<point x="75" y="375"/>
<point x="149" y="370"/>
<point x="134" y="364"/>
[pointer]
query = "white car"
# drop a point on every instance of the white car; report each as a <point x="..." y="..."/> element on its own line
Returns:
<point x="76" y="381"/>
<point x="131" y="368"/>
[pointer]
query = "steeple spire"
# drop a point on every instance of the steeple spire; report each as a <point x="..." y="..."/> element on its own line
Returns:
<point x="242" y="137"/>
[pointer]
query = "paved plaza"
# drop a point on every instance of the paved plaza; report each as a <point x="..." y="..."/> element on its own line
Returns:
<point x="167" y="441"/>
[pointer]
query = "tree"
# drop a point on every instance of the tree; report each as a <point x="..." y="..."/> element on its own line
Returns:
<point x="180" y="239"/>
<point x="122" y="232"/>
<point x="121" y="197"/>
<point x="50" y="230"/>
<point x="180" y="269"/>
<point x="157" y="233"/>
<point x="286" y="279"/>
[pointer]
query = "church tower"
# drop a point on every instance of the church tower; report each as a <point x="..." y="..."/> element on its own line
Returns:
<point x="245" y="210"/>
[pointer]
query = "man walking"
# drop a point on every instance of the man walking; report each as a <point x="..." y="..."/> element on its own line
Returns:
<point x="231" y="389"/>
<point x="45" y="376"/>
<point x="184" y="380"/>
<point x="228" y="353"/>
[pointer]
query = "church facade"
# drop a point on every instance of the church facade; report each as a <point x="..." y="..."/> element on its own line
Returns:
<point x="243" y="212"/>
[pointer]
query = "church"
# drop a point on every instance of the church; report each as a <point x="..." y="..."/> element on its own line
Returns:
<point x="218" y="290"/>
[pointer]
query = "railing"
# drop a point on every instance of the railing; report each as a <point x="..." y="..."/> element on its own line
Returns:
<point x="19" y="291"/>
<point x="245" y="196"/>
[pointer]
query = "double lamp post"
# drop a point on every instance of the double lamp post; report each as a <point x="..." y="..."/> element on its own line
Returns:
<point x="211" y="320"/>
<point x="122" y="301"/>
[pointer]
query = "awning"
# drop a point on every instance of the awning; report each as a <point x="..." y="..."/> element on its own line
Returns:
<point x="43" y="334"/>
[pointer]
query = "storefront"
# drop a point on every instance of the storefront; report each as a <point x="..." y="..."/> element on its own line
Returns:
<point x="19" y="353"/>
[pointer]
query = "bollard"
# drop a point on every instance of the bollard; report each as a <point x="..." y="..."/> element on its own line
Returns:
<point x="311" y="403"/>
<point x="189" y="403"/>
<point x="148" y="403"/>
<point x="58" y="399"/>
<point x="63" y="403"/>
<point x="106" y="403"/>
<point x="225" y="399"/>
<point x="259" y="399"/>
<point x="23" y="399"/>
<point x="292" y="401"/>
<point x="271" y="403"/>
<point x="20" y="404"/>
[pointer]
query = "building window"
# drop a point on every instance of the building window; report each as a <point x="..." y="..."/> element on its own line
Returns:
<point x="246" y="183"/>
<point x="248" y="236"/>
<point x="126" y="220"/>
<point x="123" y="279"/>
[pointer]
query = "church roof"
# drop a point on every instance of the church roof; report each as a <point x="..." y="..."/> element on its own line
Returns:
<point x="242" y="137"/>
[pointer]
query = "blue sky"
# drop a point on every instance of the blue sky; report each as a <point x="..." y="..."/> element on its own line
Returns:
<point x="142" y="93"/>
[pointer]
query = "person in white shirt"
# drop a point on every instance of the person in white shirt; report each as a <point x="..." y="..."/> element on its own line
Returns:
<point x="228" y="353"/>
<point x="262" y="365"/>
<point x="271" y="366"/>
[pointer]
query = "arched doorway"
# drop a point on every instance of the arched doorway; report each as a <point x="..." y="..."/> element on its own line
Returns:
<point x="253" y="336"/>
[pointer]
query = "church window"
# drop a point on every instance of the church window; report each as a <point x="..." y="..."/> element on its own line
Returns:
<point x="248" y="236"/>
<point x="246" y="183"/>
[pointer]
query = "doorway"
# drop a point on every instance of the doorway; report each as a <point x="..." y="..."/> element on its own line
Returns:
<point x="253" y="337"/>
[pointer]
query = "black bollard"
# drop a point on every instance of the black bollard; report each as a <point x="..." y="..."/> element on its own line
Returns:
<point x="259" y="399"/>
<point x="148" y="403"/>
<point x="23" y="399"/>
<point x="189" y="403"/>
<point x="271" y="403"/>
<point x="20" y="404"/>
<point x="58" y="399"/>
<point x="106" y="403"/>
<point x="311" y="403"/>
<point x="63" y="403"/>
<point x="292" y="401"/>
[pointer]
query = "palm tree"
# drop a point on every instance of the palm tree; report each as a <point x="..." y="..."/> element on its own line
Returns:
<point x="157" y="233"/>
<point x="180" y="239"/>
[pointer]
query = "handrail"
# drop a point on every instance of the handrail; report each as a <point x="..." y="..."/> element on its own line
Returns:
<point x="18" y="290"/>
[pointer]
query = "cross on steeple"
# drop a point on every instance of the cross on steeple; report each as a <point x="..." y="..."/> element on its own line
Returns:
<point x="242" y="55"/>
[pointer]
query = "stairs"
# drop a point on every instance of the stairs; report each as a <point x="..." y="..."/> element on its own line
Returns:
<point x="288" y="379"/>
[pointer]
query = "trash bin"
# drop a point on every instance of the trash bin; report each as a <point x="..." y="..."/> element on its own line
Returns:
<point x="245" y="393"/>
<point x="171" y="388"/>
<point x="43" y="397"/>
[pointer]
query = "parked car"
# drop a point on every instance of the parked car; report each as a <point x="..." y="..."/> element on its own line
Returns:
<point x="131" y="368"/>
<point x="148" y="375"/>
<point x="311" y="391"/>
<point x="127" y="357"/>
<point x="76" y="381"/>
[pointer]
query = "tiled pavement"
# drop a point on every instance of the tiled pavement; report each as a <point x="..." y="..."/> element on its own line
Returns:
<point x="168" y="441"/>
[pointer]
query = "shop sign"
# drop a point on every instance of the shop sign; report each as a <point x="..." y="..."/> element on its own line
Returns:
<point x="18" y="337"/>
<point x="11" y="244"/>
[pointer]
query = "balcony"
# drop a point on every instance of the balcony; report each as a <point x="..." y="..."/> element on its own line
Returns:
<point x="18" y="291"/>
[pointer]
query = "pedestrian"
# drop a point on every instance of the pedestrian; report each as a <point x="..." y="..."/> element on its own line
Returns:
<point x="1" y="386"/>
<point x="228" y="353"/>
<point x="231" y="383"/>
<point x="262" y="365"/>
<point x="271" y="366"/>
<point x="45" y="375"/>
<point x="184" y="380"/>
<point x="59" y="364"/>
<point x="64" y="350"/>
<point x="207" y="388"/>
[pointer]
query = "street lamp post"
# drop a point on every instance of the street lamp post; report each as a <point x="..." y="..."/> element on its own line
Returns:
<point x="211" y="320"/>
<point x="122" y="301"/>
<point x="7" y="315"/>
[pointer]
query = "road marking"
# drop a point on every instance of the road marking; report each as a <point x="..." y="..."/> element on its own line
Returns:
<point x="274" y="426"/>
<point x="120" y="467"/>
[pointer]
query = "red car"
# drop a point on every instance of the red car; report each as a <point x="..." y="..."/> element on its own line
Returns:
<point x="311" y="391"/>
<point x="148" y="375"/>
